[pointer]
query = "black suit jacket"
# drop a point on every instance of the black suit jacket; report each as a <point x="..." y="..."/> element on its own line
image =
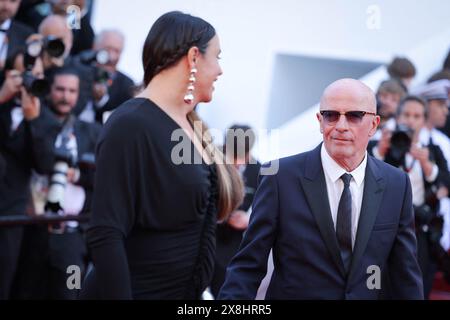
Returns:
<point x="120" y="91"/>
<point x="87" y="135"/>
<point x="291" y="215"/>
<point x="17" y="36"/>
<point x="29" y="147"/>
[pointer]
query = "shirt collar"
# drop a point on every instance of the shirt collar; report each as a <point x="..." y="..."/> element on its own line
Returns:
<point x="6" y="25"/>
<point x="334" y="171"/>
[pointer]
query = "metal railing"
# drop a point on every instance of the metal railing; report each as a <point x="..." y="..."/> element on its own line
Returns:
<point x="22" y="220"/>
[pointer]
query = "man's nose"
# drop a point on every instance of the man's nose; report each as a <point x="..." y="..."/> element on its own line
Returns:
<point x="342" y="123"/>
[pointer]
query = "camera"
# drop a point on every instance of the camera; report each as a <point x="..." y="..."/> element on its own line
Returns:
<point x="54" y="47"/>
<point x="35" y="86"/>
<point x="401" y="140"/>
<point x="64" y="159"/>
<point x="94" y="59"/>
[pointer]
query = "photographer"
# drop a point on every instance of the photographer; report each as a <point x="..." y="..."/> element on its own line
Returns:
<point x="389" y="95"/>
<point x="13" y="33"/>
<point x="55" y="27"/>
<point x="27" y="135"/>
<point x="113" y="93"/>
<point x="428" y="172"/>
<point x="74" y="149"/>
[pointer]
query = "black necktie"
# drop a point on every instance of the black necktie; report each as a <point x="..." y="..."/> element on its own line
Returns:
<point x="344" y="222"/>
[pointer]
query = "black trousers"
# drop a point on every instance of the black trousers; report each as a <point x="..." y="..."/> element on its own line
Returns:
<point x="426" y="261"/>
<point x="65" y="250"/>
<point x="45" y="257"/>
<point x="10" y="242"/>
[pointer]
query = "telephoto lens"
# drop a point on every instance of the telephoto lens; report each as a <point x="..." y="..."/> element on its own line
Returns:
<point x="58" y="182"/>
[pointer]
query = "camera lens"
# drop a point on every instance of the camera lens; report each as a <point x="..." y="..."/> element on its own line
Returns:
<point x="36" y="87"/>
<point x="55" y="47"/>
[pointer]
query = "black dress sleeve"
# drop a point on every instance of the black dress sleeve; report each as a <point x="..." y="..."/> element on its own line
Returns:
<point x="113" y="206"/>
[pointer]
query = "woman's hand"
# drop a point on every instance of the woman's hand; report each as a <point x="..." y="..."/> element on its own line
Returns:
<point x="31" y="105"/>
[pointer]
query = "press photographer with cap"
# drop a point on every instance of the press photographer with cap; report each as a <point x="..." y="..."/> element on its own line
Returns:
<point x="436" y="96"/>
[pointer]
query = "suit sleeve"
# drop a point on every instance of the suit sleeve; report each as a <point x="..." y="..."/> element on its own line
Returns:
<point x="249" y="266"/>
<point x="87" y="172"/>
<point x="404" y="271"/>
<point x="443" y="177"/>
<point x="41" y="135"/>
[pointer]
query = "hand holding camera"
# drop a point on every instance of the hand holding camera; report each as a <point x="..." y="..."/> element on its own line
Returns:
<point x="11" y="85"/>
<point x="31" y="105"/>
<point x="422" y="155"/>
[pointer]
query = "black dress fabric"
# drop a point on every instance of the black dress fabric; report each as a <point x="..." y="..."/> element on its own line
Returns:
<point x="152" y="231"/>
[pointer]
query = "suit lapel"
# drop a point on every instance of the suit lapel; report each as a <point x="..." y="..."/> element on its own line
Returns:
<point x="372" y="196"/>
<point x="315" y="188"/>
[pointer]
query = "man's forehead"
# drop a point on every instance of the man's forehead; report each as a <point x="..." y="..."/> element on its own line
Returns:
<point x="66" y="80"/>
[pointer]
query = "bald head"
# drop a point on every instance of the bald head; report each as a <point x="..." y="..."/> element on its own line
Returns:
<point x="341" y="91"/>
<point x="56" y="26"/>
<point x="108" y="36"/>
<point x="347" y="121"/>
<point x="112" y="41"/>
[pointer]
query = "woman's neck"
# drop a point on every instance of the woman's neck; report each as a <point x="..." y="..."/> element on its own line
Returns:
<point x="167" y="92"/>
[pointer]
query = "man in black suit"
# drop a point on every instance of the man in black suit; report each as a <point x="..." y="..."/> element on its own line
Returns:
<point x="337" y="219"/>
<point x="27" y="136"/>
<point x="239" y="141"/>
<point x="13" y="34"/>
<point x="78" y="138"/>
<point x="120" y="88"/>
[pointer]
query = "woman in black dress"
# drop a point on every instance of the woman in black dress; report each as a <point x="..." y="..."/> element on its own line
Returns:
<point x="161" y="185"/>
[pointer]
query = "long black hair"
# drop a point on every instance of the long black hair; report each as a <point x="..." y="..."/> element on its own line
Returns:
<point x="170" y="38"/>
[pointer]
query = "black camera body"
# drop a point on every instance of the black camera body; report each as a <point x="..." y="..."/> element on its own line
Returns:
<point x="94" y="59"/>
<point x="35" y="86"/>
<point x="401" y="140"/>
<point x="55" y="48"/>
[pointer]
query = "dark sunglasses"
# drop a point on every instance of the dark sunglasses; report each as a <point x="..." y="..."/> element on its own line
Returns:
<point x="353" y="117"/>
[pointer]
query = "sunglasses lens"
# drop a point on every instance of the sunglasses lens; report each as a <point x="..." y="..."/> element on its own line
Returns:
<point x="354" y="116"/>
<point x="330" y="116"/>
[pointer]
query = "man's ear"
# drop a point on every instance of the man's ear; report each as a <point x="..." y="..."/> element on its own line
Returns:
<point x="319" y="118"/>
<point x="375" y="123"/>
